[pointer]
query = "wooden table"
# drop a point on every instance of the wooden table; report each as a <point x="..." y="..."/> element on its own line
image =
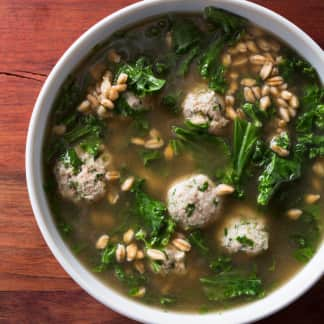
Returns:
<point x="33" y="35"/>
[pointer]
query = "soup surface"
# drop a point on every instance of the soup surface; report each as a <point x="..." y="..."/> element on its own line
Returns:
<point x="184" y="161"/>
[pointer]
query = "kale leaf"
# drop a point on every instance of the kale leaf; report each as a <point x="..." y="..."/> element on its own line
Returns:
<point x="84" y="126"/>
<point x="307" y="241"/>
<point x="222" y="263"/>
<point x="149" y="156"/>
<point x="210" y="67"/>
<point x="277" y="171"/>
<point x="197" y="240"/>
<point x="244" y="140"/>
<point x="154" y="215"/>
<point x="141" y="78"/>
<point x="107" y="259"/>
<point x="185" y="35"/>
<point x="91" y="145"/>
<point x="310" y="145"/>
<point x="293" y="65"/>
<point x="252" y="111"/>
<point x="228" y="22"/>
<point x="232" y="284"/>
<point x="185" y="63"/>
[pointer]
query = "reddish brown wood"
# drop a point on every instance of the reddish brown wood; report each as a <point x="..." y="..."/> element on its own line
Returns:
<point x="33" y="35"/>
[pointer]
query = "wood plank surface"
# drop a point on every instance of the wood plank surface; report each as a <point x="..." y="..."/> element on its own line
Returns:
<point x="33" y="35"/>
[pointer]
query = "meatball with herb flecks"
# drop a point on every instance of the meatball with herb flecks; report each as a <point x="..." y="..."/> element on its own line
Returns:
<point x="193" y="202"/>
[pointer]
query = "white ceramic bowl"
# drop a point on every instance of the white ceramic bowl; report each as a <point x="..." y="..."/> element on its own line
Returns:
<point x="99" y="32"/>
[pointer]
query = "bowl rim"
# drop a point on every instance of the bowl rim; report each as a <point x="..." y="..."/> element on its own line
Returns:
<point x="286" y="293"/>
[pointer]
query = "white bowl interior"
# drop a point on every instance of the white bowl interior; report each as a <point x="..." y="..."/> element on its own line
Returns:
<point x="247" y="313"/>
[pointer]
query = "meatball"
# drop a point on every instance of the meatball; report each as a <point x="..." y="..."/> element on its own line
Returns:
<point x="205" y="106"/>
<point x="86" y="185"/>
<point x="193" y="202"/>
<point x="244" y="232"/>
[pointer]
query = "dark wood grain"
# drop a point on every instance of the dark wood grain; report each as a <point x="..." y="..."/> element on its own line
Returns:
<point x="33" y="35"/>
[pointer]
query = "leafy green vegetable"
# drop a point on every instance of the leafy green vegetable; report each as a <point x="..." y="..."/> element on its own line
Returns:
<point x="68" y="100"/>
<point x="84" y="126"/>
<point x="154" y="214"/>
<point x="228" y="22"/>
<point x="185" y="35"/>
<point x="190" y="208"/>
<point x="230" y="285"/>
<point x="245" y="136"/>
<point x="245" y="241"/>
<point x="108" y="255"/>
<point x="172" y="101"/>
<point x="312" y="117"/>
<point x="149" y="156"/>
<point x="252" y="111"/>
<point x="203" y="187"/>
<point x="185" y="63"/>
<point x="293" y="65"/>
<point x="107" y="258"/>
<point x="85" y="129"/>
<point x="131" y="280"/>
<point x="278" y="171"/>
<point x="197" y="240"/>
<point x="218" y="81"/>
<point x="221" y="264"/>
<point x="141" y="78"/>
<point x="262" y="153"/>
<point x="71" y="159"/>
<point x="192" y="136"/>
<point x="306" y="242"/>
<point x="167" y="300"/>
<point x="64" y="228"/>
<point x="210" y="64"/>
<point x="210" y="67"/>
<point x="91" y="145"/>
<point x="282" y="140"/>
<point x="310" y="145"/>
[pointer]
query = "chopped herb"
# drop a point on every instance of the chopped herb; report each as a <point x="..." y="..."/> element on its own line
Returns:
<point x="190" y="208"/>
<point x="245" y="241"/>
<point x="203" y="187"/>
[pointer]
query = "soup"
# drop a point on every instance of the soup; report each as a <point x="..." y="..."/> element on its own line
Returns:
<point x="184" y="161"/>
